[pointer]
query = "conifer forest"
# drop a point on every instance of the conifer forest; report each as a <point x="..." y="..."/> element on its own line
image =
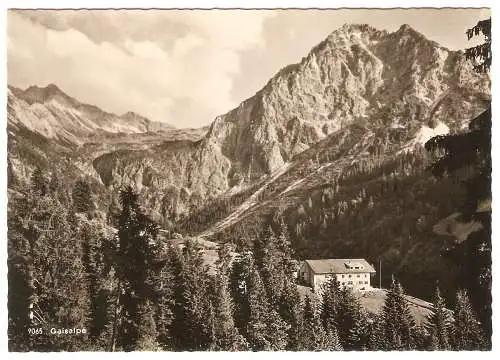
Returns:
<point x="130" y="234"/>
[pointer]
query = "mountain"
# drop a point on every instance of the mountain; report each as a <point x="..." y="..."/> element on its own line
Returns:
<point x="53" y="114"/>
<point x="331" y="145"/>
<point x="404" y="86"/>
<point x="355" y="73"/>
<point x="49" y="129"/>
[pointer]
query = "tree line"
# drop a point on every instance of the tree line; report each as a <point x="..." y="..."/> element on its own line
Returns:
<point x="132" y="291"/>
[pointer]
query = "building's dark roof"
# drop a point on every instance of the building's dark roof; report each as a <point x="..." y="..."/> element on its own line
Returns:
<point x="339" y="266"/>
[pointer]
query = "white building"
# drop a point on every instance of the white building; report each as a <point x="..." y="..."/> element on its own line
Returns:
<point x="354" y="274"/>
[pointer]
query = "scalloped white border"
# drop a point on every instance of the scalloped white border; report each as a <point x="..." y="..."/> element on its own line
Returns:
<point x="252" y="5"/>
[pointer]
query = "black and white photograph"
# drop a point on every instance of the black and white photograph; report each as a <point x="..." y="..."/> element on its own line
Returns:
<point x="248" y="180"/>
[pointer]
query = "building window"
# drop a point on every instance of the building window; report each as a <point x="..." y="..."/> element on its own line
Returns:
<point x="366" y="282"/>
<point x="349" y="275"/>
<point x="349" y="283"/>
<point x="343" y="276"/>
<point x="366" y="275"/>
<point x="357" y="275"/>
<point x="360" y="282"/>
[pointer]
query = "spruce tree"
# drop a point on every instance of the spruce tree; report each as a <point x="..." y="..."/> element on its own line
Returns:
<point x="472" y="151"/>
<point x="146" y="328"/>
<point x="333" y="340"/>
<point x="481" y="54"/>
<point x="225" y="335"/>
<point x="191" y="307"/>
<point x="330" y="303"/>
<point x="376" y="341"/>
<point x="422" y="339"/>
<point x="169" y="315"/>
<point x="268" y="258"/>
<point x="438" y="324"/>
<point x="82" y="196"/>
<point x="21" y="289"/>
<point x="163" y="310"/>
<point x="258" y="309"/>
<point x="51" y="268"/>
<point x="97" y="273"/>
<point x="285" y="248"/>
<point x="350" y="321"/>
<point x="39" y="182"/>
<point x="291" y="311"/>
<point x="266" y="331"/>
<point x="360" y="333"/>
<point x="398" y="322"/>
<point x="276" y="331"/>
<point x="466" y="331"/>
<point x="313" y="336"/>
<point x="241" y="269"/>
<point x="138" y="250"/>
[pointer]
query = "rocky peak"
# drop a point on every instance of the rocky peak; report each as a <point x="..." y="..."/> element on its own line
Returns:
<point x="406" y="31"/>
<point x="357" y="72"/>
<point x="381" y="81"/>
<point x="130" y="115"/>
<point x="406" y="28"/>
<point x="353" y="33"/>
<point x="54" y="114"/>
<point x="357" y="29"/>
<point x="36" y="94"/>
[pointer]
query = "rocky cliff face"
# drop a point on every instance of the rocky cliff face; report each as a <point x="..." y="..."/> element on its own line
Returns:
<point x="356" y="73"/>
<point x="173" y="177"/>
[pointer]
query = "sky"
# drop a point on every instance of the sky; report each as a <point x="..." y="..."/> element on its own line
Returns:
<point x="185" y="67"/>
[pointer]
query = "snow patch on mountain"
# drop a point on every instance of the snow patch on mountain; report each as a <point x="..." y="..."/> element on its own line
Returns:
<point x="425" y="134"/>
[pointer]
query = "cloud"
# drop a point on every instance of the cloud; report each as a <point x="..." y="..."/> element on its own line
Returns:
<point x="185" y="66"/>
<point x="170" y="66"/>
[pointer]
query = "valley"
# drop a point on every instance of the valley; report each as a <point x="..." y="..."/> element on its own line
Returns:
<point x="332" y="146"/>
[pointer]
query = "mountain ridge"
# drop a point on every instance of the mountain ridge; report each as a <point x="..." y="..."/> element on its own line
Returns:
<point x="366" y="86"/>
<point x="53" y="113"/>
<point x="396" y="82"/>
<point x="400" y="85"/>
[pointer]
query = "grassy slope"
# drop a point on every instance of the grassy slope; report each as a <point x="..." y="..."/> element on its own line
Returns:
<point x="373" y="302"/>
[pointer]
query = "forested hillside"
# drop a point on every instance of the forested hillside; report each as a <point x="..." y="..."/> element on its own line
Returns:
<point x="131" y="290"/>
